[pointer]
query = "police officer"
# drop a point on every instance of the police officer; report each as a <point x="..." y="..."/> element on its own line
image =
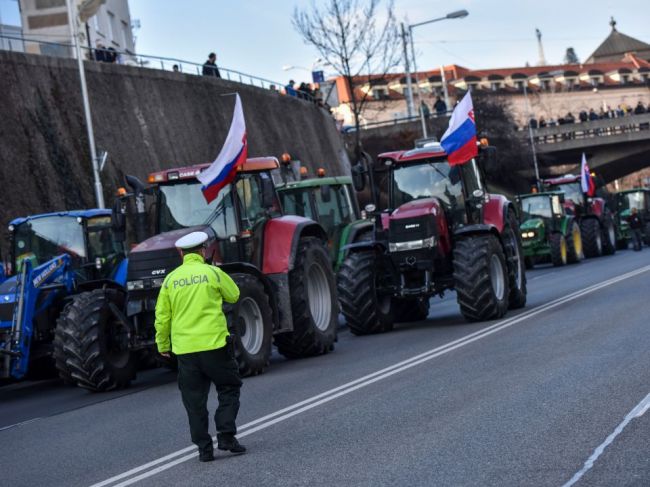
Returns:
<point x="191" y="324"/>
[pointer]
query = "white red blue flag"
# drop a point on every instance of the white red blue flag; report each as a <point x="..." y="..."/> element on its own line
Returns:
<point x="586" y="181"/>
<point x="459" y="141"/>
<point x="233" y="154"/>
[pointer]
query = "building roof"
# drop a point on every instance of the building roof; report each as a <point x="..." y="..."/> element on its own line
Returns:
<point x="617" y="44"/>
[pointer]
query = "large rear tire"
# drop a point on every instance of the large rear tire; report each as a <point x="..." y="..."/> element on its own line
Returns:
<point x="559" y="252"/>
<point x="515" y="259"/>
<point x="609" y="236"/>
<point x="575" y="251"/>
<point x="481" y="278"/>
<point x="365" y="312"/>
<point x="413" y="309"/>
<point x="58" y="350"/>
<point x="251" y="325"/>
<point x="314" y="305"/>
<point x="95" y="343"/>
<point x="592" y="240"/>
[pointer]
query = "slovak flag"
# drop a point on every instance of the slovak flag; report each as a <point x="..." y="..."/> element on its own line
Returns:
<point x="586" y="181"/>
<point x="233" y="154"/>
<point x="459" y="141"/>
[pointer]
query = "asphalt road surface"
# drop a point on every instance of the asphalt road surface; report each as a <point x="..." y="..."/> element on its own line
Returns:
<point x="555" y="394"/>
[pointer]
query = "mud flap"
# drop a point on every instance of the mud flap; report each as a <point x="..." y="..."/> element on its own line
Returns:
<point x="282" y="298"/>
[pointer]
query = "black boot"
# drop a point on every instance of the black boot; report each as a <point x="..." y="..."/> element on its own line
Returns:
<point x="228" y="442"/>
<point x="206" y="455"/>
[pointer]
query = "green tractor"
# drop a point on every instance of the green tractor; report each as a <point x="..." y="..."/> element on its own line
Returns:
<point x="547" y="232"/>
<point x="330" y="201"/>
<point x="638" y="198"/>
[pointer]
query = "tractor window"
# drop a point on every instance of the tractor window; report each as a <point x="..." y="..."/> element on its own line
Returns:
<point x="536" y="207"/>
<point x="183" y="205"/>
<point x="296" y="202"/>
<point x="347" y="213"/>
<point x="102" y="245"/>
<point x="632" y="200"/>
<point x="428" y="180"/>
<point x="572" y="191"/>
<point x="41" y="239"/>
<point x="249" y="191"/>
<point x="329" y="212"/>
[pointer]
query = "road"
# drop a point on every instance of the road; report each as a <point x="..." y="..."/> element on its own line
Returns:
<point x="555" y="394"/>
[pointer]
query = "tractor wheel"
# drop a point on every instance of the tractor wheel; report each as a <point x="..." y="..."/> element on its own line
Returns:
<point x="622" y="244"/>
<point x="481" y="277"/>
<point x="251" y="325"/>
<point x="408" y="310"/>
<point x="592" y="241"/>
<point x="364" y="310"/>
<point x="559" y="252"/>
<point x="515" y="259"/>
<point x="314" y="304"/>
<point x="574" y="244"/>
<point x="95" y="343"/>
<point x="609" y="237"/>
<point x="58" y="349"/>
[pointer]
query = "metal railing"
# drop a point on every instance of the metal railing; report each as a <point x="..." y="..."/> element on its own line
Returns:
<point x="396" y="121"/>
<point x="64" y="50"/>
<point x="591" y="129"/>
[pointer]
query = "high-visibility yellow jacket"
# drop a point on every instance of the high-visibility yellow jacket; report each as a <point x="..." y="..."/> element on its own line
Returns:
<point x="189" y="315"/>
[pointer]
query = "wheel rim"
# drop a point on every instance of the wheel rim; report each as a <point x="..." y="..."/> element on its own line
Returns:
<point x="577" y="241"/>
<point x="611" y="233"/>
<point x="599" y="243"/>
<point x="496" y="277"/>
<point x="517" y="259"/>
<point x="563" y="250"/>
<point x="318" y="293"/>
<point x="251" y="325"/>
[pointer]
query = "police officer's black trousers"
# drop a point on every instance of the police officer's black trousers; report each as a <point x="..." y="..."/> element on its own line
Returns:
<point x="195" y="373"/>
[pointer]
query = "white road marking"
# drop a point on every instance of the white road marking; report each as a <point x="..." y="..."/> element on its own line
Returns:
<point x="543" y="275"/>
<point x="638" y="411"/>
<point x="19" y="424"/>
<point x="315" y="401"/>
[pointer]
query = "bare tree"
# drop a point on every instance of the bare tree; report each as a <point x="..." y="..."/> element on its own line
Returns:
<point x="356" y="38"/>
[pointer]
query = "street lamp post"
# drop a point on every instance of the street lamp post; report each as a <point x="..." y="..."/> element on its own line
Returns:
<point x="458" y="14"/>
<point x="99" y="193"/>
<point x="530" y="136"/>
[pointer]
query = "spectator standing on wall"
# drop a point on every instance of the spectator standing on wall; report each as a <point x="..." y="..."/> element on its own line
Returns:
<point x="592" y="115"/>
<point x="291" y="91"/>
<point x="533" y="123"/>
<point x="640" y="109"/>
<point x="542" y="123"/>
<point x="425" y="110"/>
<point x="569" y="118"/>
<point x="441" y="107"/>
<point x="583" y="116"/>
<point x="210" y="66"/>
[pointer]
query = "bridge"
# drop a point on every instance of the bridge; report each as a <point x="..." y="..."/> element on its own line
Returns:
<point x="614" y="147"/>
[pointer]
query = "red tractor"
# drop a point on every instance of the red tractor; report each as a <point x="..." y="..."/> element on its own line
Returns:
<point x="441" y="230"/>
<point x="596" y="220"/>
<point x="280" y="263"/>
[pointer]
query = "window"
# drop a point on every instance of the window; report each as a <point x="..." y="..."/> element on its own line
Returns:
<point x="495" y="85"/>
<point x="297" y="202"/>
<point x="594" y="81"/>
<point x="111" y="26"/>
<point x="125" y="35"/>
<point x="379" y="93"/>
<point x="537" y="207"/>
<point x="546" y="84"/>
<point x="625" y="79"/>
<point x="249" y="192"/>
<point x="519" y="85"/>
<point x="428" y="180"/>
<point x="182" y="205"/>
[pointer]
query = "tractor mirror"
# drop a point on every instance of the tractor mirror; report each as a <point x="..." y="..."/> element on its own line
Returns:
<point x="268" y="191"/>
<point x="358" y="177"/>
<point x="326" y="193"/>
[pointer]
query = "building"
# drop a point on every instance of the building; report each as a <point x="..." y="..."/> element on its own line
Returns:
<point x="616" y="74"/>
<point x="46" y="23"/>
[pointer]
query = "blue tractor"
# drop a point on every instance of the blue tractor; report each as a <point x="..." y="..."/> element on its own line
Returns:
<point x="52" y="257"/>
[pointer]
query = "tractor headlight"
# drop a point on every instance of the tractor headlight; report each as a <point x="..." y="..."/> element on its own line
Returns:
<point x="423" y="243"/>
<point x="527" y="235"/>
<point x="135" y="285"/>
<point x="157" y="282"/>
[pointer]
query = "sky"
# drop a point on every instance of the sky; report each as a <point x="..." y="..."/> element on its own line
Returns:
<point x="256" y="36"/>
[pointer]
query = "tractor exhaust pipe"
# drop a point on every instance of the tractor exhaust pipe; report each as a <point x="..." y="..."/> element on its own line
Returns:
<point x="141" y="214"/>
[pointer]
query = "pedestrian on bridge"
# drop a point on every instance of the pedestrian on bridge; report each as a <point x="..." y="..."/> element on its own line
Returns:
<point x="210" y="67"/>
<point x="191" y="324"/>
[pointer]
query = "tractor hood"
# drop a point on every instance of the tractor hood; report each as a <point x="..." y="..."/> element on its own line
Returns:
<point x="415" y="208"/>
<point x="166" y="240"/>
<point x="532" y="224"/>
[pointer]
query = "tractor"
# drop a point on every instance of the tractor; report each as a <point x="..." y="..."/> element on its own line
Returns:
<point x="547" y="232"/>
<point x="441" y="231"/>
<point x="638" y="198"/>
<point x="52" y="257"/>
<point x="594" y="216"/>
<point x="280" y="263"/>
<point x="330" y="201"/>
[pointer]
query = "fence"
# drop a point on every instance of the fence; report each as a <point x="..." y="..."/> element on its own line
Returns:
<point x="64" y="50"/>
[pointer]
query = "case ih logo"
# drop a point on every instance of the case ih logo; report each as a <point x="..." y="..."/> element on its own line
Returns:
<point x="158" y="272"/>
<point x="412" y="225"/>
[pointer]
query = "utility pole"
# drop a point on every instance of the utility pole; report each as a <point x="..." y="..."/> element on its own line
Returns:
<point x="99" y="192"/>
<point x="532" y="139"/>
<point x="409" y="88"/>
<point x="417" y="87"/>
<point x="443" y="79"/>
